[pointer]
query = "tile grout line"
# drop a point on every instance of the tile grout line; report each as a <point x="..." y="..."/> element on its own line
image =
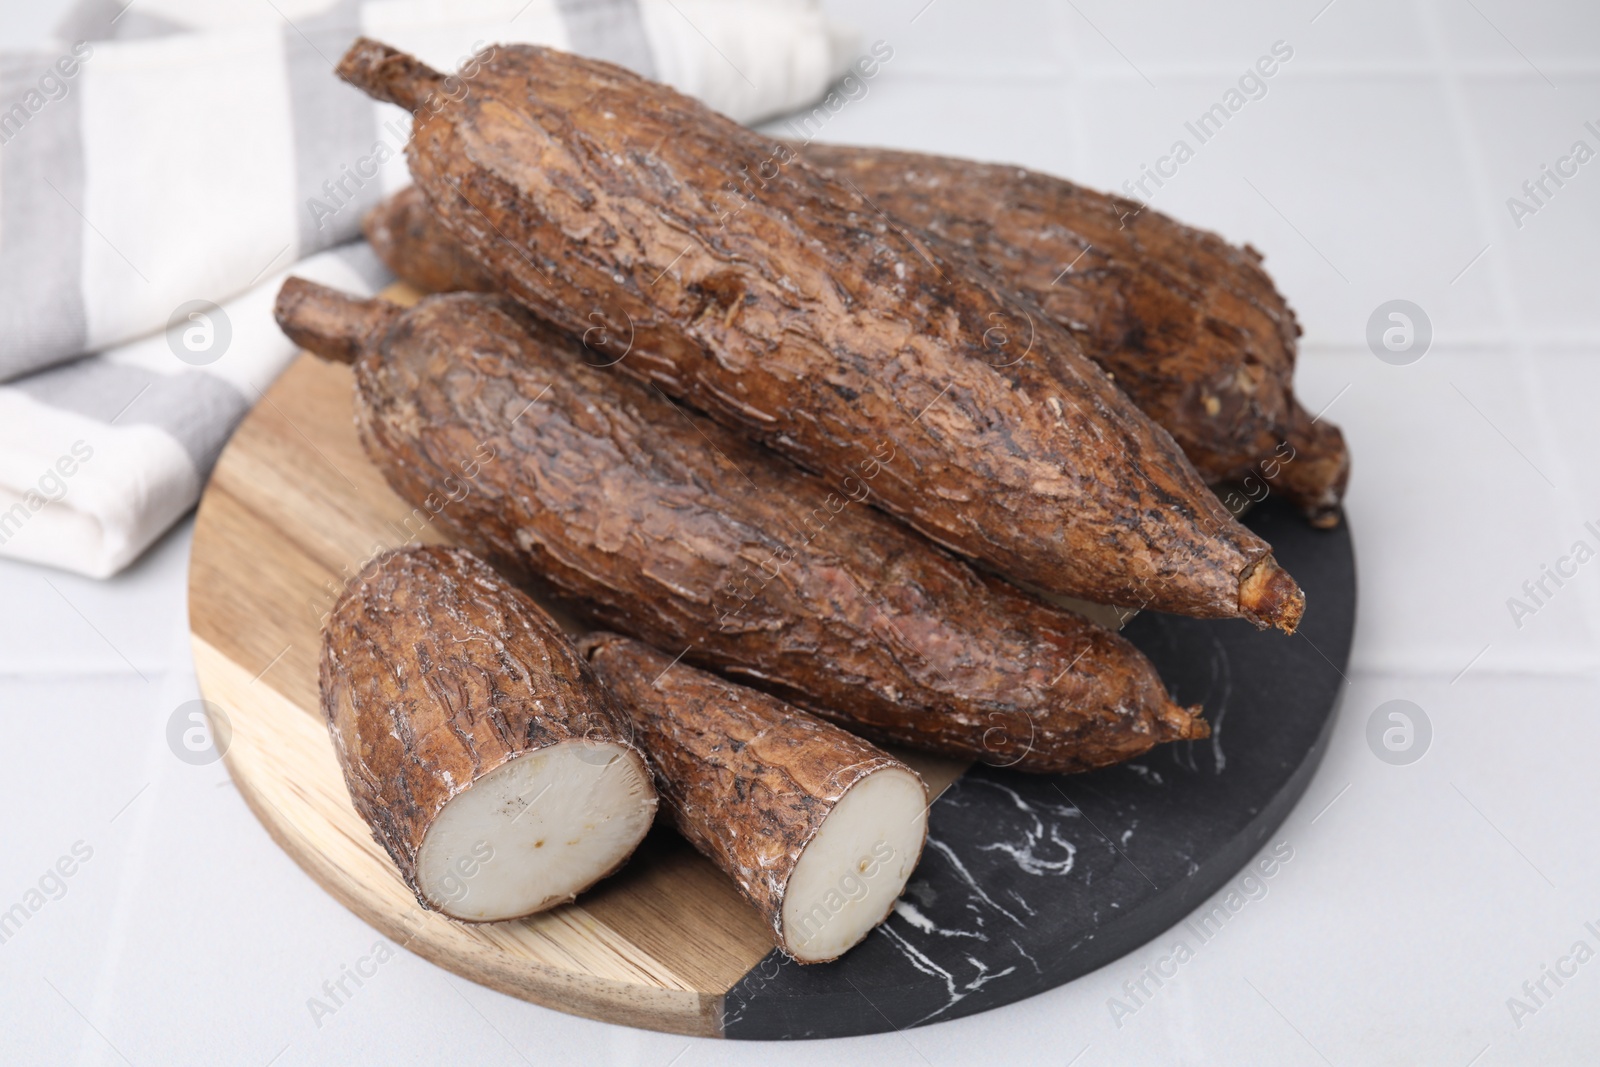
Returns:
<point x="1072" y="79"/>
<point x="1469" y="143"/>
<point x="135" y="854"/>
<point x="1460" y="344"/>
<point x="86" y="674"/>
<point x="1331" y="70"/>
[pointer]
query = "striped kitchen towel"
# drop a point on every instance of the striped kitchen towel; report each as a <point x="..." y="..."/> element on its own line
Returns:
<point x="153" y="167"/>
<point x="161" y="176"/>
<point x="100" y="455"/>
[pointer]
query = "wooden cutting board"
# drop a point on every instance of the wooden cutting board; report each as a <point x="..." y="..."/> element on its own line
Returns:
<point x="294" y="507"/>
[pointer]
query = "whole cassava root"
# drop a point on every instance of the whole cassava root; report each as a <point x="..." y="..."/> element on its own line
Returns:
<point x="490" y="764"/>
<point x="402" y="230"/>
<point x="819" y="829"/>
<point x="808" y="320"/>
<point x="675" y="530"/>
<point x="414" y="245"/>
<point x="1190" y="326"/>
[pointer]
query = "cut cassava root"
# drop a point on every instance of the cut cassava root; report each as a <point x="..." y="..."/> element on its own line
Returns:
<point x="819" y="829"/>
<point x="803" y="317"/>
<point x="677" y="531"/>
<point x="475" y="741"/>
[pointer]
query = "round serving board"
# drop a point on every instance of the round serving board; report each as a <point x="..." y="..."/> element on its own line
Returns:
<point x="1027" y="882"/>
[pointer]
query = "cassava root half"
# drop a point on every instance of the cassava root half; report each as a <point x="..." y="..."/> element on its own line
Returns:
<point x="819" y="829"/>
<point x="490" y="764"/>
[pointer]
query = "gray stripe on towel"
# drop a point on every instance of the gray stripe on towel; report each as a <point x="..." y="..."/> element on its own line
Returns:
<point x="611" y="30"/>
<point x="42" y="317"/>
<point x="107" y="20"/>
<point x="196" y="409"/>
<point x="136" y="25"/>
<point x="359" y="257"/>
<point x="335" y="126"/>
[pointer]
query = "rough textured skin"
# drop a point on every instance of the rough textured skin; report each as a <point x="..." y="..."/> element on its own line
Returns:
<point x="403" y="230"/>
<point x="728" y="756"/>
<point x="799" y="315"/>
<point x="434" y="672"/>
<point x="1190" y="327"/>
<point x="675" y="530"/>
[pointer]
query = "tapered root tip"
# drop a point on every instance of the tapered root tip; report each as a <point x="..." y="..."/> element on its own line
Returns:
<point x="1318" y="487"/>
<point x="1183" y="724"/>
<point x="386" y="73"/>
<point x="334" y="325"/>
<point x="1268" y="596"/>
<point x="1316" y="478"/>
<point x="1324" y="516"/>
<point x="590" y="645"/>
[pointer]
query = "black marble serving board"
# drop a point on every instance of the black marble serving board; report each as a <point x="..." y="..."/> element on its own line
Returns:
<point x="1030" y="881"/>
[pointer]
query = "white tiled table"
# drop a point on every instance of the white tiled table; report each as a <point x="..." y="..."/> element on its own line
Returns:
<point x="1419" y="898"/>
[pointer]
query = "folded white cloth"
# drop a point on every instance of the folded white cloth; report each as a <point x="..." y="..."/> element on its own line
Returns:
<point x="138" y="174"/>
<point x="99" y="456"/>
<point x="181" y="152"/>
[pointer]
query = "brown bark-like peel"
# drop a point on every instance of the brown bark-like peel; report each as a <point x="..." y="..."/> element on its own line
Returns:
<point x="391" y="75"/>
<point x="675" y="530"/>
<point x="1190" y="326"/>
<point x="750" y="782"/>
<point x="406" y="237"/>
<point x="437" y="677"/>
<point x="805" y="318"/>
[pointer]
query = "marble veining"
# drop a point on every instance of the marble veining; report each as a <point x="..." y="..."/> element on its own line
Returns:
<point x="1027" y="881"/>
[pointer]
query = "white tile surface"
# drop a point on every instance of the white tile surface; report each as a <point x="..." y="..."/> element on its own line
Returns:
<point x="1450" y="517"/>
<point x="976" y="119"/>
<point x="1000" y="39"/>
<point x="1524" y="126"/>
<point x="76" y="625"/>
<point x="1419" y="898"/>
<point x="1118" y="39"/>
<point x="1346" y="222"/>
<point x="1541" y="36"/>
